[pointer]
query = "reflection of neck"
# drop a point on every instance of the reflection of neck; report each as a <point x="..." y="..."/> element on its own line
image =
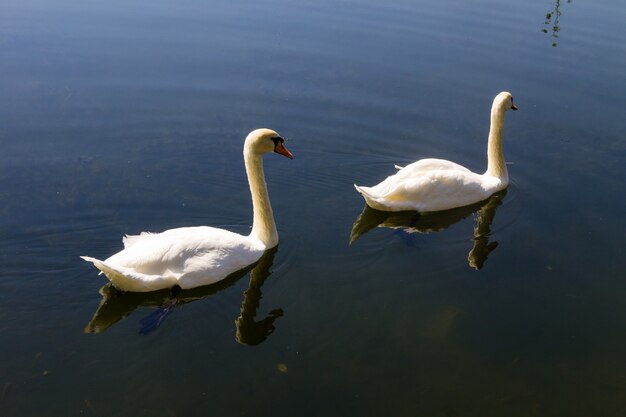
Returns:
<point x="496" y="166"/>
<point x="482" y="231"/>
<point x="263" y="226"/>
<point x="249" y="331"/>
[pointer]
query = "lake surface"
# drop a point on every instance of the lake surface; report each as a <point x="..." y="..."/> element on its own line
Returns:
<point x="122" y="117"/>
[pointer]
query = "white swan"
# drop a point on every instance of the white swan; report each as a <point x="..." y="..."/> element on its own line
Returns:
<point x="195" y="256"/>
<point x="435" y="184"/>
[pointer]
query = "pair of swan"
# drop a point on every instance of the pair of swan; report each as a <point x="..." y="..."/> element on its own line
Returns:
<point x="196" y="256"/>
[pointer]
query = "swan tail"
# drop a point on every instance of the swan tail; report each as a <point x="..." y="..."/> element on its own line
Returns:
<point x="96" y="262"/>
<point x="371" y="199"/>
<point x="365" y="191"/>
<point x="126" y="279"/>
<point x="398" y="167"/>
<point x="116" y="277"/>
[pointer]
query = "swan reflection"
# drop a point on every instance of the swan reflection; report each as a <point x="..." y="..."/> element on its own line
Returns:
<point x="116" y="305"/>
<point x="410" y="222"/>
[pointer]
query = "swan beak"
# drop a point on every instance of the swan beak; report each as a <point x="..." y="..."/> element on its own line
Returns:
<point x="513" y="106"/>
<point x="280" y="148"/>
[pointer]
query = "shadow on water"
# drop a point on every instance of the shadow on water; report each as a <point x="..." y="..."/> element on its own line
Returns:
<point x="117" y="305"/>
<point x="409" y="222"/>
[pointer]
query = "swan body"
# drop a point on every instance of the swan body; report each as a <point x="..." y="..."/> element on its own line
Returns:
<point x="195" y="256"/>
<point x="431" y="184"/>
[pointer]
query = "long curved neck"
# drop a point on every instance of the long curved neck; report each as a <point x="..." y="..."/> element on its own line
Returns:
<point x="263" y="226"/>
<point x="496" y="166"/>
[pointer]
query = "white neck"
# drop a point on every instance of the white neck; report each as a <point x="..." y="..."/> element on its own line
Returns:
<point x="496" y="166"/>
<point x="263" y="226"/>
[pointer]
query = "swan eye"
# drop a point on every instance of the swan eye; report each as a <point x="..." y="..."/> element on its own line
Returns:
<point x="277" y="140"/>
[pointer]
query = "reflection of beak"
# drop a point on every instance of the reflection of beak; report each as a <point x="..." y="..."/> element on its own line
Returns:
<point x="513" y="106"/>
<point x="280" y="148"/>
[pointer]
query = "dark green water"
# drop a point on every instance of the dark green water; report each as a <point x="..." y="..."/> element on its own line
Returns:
<point x="122" y="117"/>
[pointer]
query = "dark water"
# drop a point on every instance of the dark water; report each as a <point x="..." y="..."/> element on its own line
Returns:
<point x="119" y="117"/>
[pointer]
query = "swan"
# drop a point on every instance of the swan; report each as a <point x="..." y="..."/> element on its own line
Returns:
<point x="195" y="256"/>
<point x="430" y="184"/>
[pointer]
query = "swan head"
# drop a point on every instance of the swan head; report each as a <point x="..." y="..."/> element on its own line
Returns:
<point x="504" y="101"/>
<point x="262" y="141"/>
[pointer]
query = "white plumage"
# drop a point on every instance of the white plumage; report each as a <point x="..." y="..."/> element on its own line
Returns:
<point x="195" y="256"/>
<point x="435" y="184"/>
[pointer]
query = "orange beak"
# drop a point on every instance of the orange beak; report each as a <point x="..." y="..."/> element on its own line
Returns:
<point x="280" y="148"/>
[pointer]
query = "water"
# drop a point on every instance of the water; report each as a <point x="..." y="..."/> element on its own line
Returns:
<point x="123" y="117"/>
